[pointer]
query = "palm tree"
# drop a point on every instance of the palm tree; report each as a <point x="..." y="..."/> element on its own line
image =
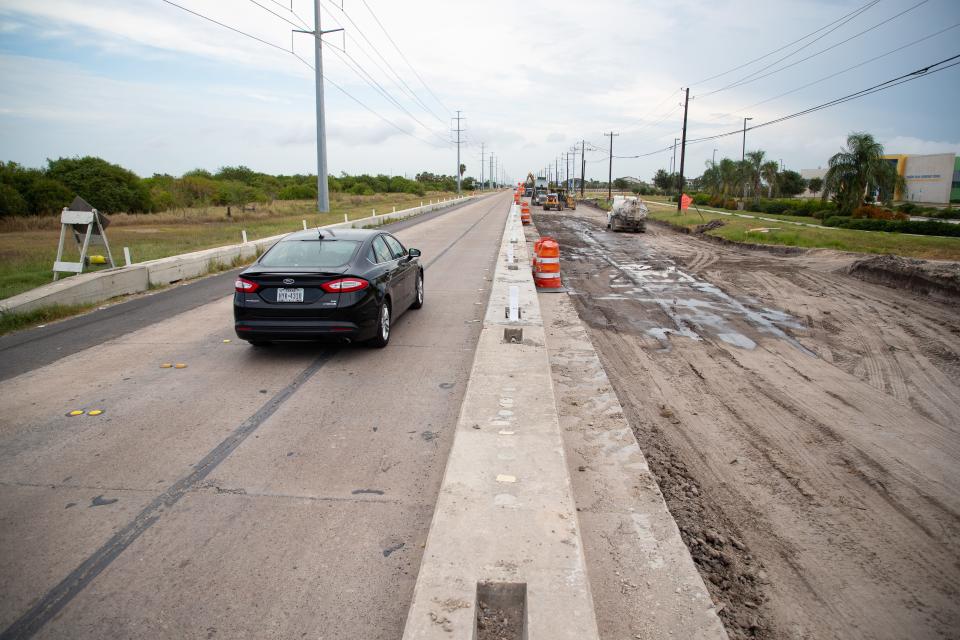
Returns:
<point x="770" y="171"/>
<point x="855" y="169"/>
<point x="711" y="179"/>
<point x="752" y="169"/>
<point x="729" y="176"/>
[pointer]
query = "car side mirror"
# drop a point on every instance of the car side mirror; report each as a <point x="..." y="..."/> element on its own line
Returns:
<point x="413" y="253"/>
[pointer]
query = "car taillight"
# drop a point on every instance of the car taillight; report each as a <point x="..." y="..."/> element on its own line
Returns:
<point x="345" y="285"/>
<point x="245" y="286"/>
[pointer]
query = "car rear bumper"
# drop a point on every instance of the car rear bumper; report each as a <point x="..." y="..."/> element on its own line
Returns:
<point x="301" y="330"/>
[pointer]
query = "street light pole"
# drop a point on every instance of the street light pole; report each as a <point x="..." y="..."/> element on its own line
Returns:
<point x="714" y="163"/>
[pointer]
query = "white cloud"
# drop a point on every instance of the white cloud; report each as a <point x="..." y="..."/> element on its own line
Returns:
<point x="532" y="79"/>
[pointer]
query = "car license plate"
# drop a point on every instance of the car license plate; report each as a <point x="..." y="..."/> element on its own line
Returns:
<point x="289" y="295"/>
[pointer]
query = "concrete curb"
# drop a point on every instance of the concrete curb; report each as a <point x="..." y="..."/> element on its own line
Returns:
<point x="505" y="514"/>
<point x="97" y="286"/>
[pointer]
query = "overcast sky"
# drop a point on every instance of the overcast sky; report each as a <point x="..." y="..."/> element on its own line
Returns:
<point x="158" y="90"/>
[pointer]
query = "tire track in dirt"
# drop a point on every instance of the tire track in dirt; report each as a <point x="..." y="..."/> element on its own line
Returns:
<point x="841" y="495"/>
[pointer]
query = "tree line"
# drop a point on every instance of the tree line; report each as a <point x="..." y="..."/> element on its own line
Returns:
<point x="112" y="188"/>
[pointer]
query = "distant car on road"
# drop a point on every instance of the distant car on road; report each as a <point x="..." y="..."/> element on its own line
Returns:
<point x="324" y="283"/>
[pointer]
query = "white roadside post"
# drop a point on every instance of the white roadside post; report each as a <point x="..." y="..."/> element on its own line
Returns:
<point x="244" y="235"/>
<point x="514" y="303"/>
<point x="304" y="225"/>
<point x="126" y="256"/>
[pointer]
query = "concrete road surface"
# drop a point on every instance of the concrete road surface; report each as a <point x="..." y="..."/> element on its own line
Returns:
<point x="256" y="493"/>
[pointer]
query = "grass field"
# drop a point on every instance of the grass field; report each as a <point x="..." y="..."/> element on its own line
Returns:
<point x="738" y="230"/>
<point x="28" y="246"/>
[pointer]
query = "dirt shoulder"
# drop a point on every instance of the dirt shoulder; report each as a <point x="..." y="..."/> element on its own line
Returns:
<point x="803" y="425"/>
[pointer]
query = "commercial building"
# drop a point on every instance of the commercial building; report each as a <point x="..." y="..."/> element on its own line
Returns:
<point x="930" y="179"/>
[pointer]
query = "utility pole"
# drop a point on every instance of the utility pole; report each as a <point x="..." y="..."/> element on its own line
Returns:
<point x="743" y="150"/>
<point x="481" y="166"/>
<point x="491" y="172"/>
<point x="714" y="163"/>
<point x="583" y="164"/>
<point x="610" y="170"/>
<point x="458" y="130"/>
<point x="323" y="193"/>
<point x="683" y="149"/>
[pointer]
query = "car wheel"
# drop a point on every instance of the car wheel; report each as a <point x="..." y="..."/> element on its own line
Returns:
<point x="418" y="300"/>
<point x="383" y="326"/>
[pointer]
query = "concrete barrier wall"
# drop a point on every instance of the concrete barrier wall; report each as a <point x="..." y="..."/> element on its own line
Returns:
<point x="505" y="515"/>
<point x="97" y="286"/>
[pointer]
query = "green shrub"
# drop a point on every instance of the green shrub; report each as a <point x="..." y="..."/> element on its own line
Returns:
<point x="298" y="192"/>
<point x="11" y="202"/>
<point x="948" y="214"/>
<point x="919" y="227"/>
<point x="108" y="187"/>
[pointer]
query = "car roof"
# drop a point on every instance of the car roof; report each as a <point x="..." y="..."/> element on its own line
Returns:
<point x="333" y="234"/>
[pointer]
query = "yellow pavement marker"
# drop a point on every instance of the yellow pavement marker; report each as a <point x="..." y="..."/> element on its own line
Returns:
<point x="77" y="412"/>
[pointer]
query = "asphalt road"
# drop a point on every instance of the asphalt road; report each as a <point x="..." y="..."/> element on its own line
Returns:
<point x="256" y="493"/>
<point x="26" y="350"/>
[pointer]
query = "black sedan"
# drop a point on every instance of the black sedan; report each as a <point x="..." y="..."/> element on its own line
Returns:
<point x="324" y="283"/>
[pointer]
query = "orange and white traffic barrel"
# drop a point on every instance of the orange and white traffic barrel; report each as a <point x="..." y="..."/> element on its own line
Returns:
<point x="546" y="264"/>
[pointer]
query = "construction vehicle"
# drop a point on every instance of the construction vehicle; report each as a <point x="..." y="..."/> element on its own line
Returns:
<point x="628" y="213"/>
<point x="552" y="202"/>
<point x="566" y="199"/>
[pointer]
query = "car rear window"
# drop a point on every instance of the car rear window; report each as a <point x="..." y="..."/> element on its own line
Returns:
<point x="310" y="253"/>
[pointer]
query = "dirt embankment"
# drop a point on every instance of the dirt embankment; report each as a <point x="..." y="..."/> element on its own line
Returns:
<point x="938" y="280"/>
<point x="804" y="425"/>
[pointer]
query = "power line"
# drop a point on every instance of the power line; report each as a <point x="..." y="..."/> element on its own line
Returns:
<point x="310" y="66"/>
<point x="294" y="13"/>
<point x="226" y="26"/>
<point x="793" y="53"/>
<point x="419" y="77"/>
<point x="842" y="71"/>
<point x="365" y="106"/>
<point x="350" y="61"/>
<point x="389" y="66"/>
<point x="747" y="79"/>
<point x="271" y="11"/>
<point x="889" y="84"/>
<point x="747" y="64"/>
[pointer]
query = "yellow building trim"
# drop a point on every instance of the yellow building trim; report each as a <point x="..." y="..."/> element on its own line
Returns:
<point x="901" y="170"/>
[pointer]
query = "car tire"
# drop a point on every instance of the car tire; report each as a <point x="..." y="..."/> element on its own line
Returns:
<point x="418" y="297"/>
<point x="383" y="326"/>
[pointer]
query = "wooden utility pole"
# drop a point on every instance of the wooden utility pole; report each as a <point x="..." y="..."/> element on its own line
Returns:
<point x="583" y="164"/>
<point x="610" y="170"/>
<point x="683" y="149"/>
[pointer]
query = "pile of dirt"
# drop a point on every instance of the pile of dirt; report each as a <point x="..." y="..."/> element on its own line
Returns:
<point x="938" y="280"/>
<point x="713" y="224"/>
<point x="733" y="576"/>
